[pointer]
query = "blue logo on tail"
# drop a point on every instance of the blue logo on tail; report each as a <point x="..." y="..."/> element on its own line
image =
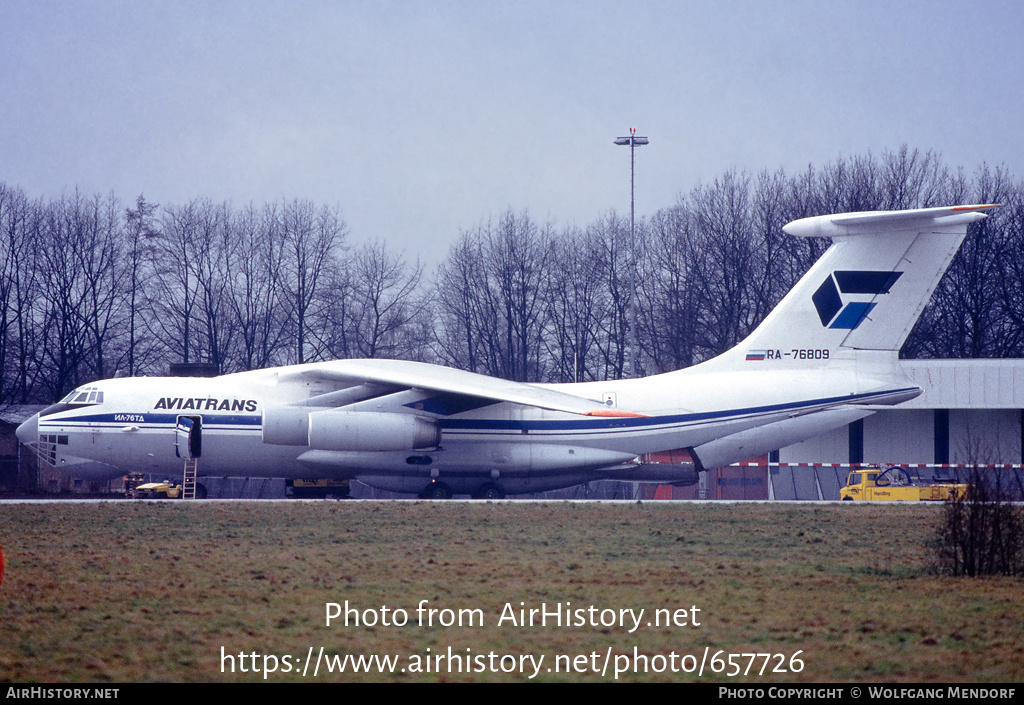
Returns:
<point x="828" y="299"/>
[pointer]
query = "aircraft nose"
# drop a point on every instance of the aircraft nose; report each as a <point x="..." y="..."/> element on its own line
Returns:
<point x="28" y="431"/>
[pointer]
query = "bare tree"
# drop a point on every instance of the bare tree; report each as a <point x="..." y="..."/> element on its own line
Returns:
<point x="519" y="256"/>
<point x="490" y="296"/>
<point x="669" y="296"/>
<point x="185" y="291"/>
<point x="19" y="233"/>
<point x="212" y="268"/>
<point x="727" y="262"/>
<point x="384" y="302"/>
<point x="1011" y="271"/>
<point x="457" y="305"/>
<point x="312" y="240"/>
<point x="966" y="316"/>
<point x="981" y="531"/>
<point x="96" y="225"/>
<point x="911" y="179"/>
<point x="575" y="303"/>
<point x="255" y="289"/>
<point x="63" y="345"/>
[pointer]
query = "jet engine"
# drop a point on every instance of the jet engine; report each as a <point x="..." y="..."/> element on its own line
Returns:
<point x="349" y="430"/>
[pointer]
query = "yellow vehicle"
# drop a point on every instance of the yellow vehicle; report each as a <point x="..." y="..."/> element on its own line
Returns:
<point x="316" y="489"/>
<point x="157" y="490"/>
<point x="898" y="484"/>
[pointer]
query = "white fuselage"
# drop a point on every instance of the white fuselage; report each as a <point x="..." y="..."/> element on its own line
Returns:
<point x="525" y="448"/>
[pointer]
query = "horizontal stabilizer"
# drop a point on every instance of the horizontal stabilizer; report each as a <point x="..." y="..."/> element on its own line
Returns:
<point x="846" y="224"/>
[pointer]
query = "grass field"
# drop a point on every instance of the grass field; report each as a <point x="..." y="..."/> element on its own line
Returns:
<point x="143" y="591"/>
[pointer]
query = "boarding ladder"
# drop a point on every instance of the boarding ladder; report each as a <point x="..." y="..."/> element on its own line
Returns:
<point x="188" y="481"/>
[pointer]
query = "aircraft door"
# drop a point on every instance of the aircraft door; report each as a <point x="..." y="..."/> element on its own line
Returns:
<point x="188" y="437"/>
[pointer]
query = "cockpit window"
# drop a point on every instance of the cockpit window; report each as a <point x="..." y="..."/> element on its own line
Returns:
<point x="83" y="395"/>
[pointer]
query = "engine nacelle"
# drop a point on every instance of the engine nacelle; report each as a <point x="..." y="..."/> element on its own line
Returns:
<point x="286" y="426"/>
<point x="371" y="430"/>
<point x="348" y="430"/>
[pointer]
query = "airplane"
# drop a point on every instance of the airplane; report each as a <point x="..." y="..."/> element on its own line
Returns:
<point x="826" y="356"/>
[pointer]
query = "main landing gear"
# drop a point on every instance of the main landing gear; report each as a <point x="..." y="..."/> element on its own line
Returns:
<point x="439" y="490"/>
<point x="436" y="490"/>
<point x="489" y="491"/>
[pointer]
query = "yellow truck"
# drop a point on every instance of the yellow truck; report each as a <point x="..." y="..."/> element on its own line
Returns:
<point x="898" y="484"/>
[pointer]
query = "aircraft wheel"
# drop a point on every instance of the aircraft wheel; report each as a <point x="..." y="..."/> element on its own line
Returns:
<point x="437" y="490"/>
<point x="490" y="491"/>
<point x="200" y="491"/>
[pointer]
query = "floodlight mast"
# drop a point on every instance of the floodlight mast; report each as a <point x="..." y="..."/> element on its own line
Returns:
<point x="633" y="141"/>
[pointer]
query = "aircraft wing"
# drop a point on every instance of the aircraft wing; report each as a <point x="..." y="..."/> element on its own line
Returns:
<point x="404" y="374"/>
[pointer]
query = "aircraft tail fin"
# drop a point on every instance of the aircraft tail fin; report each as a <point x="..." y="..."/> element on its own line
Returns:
<point x="864" y="294"/>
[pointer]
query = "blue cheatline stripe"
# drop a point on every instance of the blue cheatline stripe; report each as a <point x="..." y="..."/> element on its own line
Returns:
<point x="639" y="423"/>
<point x="583" y="423"/>
<point x="153" y="419"/>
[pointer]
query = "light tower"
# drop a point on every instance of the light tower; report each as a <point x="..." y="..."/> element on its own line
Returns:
<point x="633" y="141"/>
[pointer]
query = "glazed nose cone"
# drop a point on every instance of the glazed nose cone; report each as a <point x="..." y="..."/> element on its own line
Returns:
<point x="28" y="432"/>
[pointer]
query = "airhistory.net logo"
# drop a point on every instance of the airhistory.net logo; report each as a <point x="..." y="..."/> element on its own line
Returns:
<point x="834" y="312"/>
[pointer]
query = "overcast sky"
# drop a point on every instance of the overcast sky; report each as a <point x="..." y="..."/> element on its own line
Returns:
<point x="422" y="118"/>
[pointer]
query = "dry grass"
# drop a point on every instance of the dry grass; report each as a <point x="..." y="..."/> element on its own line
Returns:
<point x="151" y="591"/>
